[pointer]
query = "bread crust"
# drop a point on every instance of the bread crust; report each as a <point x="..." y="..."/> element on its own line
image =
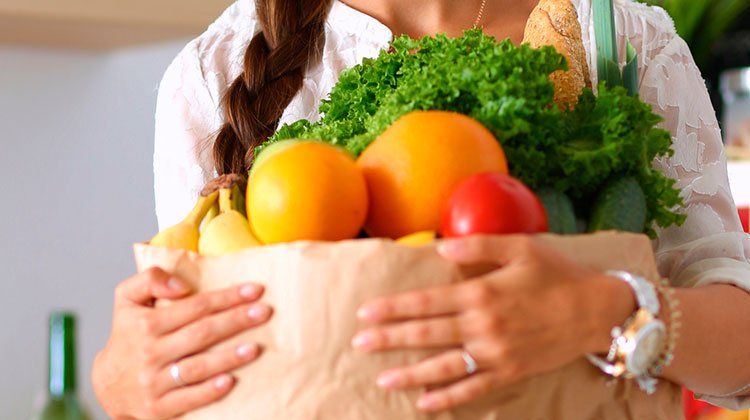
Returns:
<point x="555" y="23"/>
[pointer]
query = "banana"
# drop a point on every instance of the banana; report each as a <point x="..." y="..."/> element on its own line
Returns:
<point x="212" y="213"/>
<point x="238" y="200"/>
<point x="230" y="231"/>
<point x="185" y="234"/>
<point x="418" y="238"/>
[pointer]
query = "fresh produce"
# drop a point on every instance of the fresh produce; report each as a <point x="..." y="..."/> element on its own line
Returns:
<point x="418" y="238"/>
<point x="427" y="114"/>
<point x="307" y="190"/>
<point x="607" y="54"/>
<point x="272" y="150"/>
<point x="507" y="89"/>
<point x="237" y="198"/>
<point x="561" y="217"/>
<point x="211" y="214"/>
<point x="620" y="205"/>
<point x="492" y="203"/>
<point x="229" y="231"/>
<point x="413" y="166"/>
<point x="185" y="235"/>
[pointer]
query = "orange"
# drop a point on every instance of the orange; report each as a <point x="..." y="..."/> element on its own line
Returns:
<point x="271" y="150"/>
<point x="412" y="168"/>
<point x="308" y="190"/>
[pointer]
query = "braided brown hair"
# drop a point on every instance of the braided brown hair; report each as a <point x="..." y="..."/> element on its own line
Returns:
<point x="275" y="62"/>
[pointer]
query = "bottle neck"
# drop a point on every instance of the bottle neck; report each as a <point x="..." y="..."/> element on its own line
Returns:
<point x="62" y="355"/>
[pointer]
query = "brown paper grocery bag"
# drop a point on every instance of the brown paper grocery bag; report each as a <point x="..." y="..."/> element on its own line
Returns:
<point x="308" y="370"/>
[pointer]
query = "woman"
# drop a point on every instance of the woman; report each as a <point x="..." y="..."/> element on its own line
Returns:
<point x="539" y="312"/>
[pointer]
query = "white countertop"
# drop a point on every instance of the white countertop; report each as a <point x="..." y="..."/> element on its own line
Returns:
<point x="739" y="181"/>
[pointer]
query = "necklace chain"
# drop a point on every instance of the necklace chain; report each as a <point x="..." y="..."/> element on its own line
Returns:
<point x="481" y="13"/>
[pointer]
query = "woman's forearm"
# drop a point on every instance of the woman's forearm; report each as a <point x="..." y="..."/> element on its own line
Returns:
<point x="712" y="354"/>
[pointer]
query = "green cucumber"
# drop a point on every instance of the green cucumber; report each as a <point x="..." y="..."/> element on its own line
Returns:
<point x="620" y="205"/>
<point x="561" y="217"/>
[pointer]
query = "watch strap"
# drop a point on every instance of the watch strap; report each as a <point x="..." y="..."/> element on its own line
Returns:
<point x="645" y="292"/>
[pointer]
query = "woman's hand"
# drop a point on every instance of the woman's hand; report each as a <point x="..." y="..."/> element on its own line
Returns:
<point x="131" y="375"/>
<point x="537" y="312"/>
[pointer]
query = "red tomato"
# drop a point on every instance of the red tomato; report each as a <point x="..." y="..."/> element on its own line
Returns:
<point x="493" y="203"/>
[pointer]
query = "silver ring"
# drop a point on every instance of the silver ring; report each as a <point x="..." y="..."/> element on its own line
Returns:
<point x="174" y="371"/>
<point x="470" y="363"/>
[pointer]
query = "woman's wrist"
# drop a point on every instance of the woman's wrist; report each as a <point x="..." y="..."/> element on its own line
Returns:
<point x="614" y="302"/>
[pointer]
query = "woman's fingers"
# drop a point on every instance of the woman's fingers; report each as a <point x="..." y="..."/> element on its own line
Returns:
<point x="442" y="300"/>
<point x="484" y="249"/>
<point x="149" y="285"/>
<point x="210" y="330"/>
<point x="434" y="332"/>
<point x="188" y="398"/>
<point x="458" y="393"/>
<point x="132" y="374"/>
<point x="442" y="368"/>
<point x="523" y="318"/>
<point x="204" y="366"/>
<point x="185" y="311"/>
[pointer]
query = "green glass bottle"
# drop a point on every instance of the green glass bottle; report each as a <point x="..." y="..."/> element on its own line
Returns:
<point x="62" y="399"/>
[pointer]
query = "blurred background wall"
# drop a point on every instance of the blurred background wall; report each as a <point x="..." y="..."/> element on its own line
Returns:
<point x="78" y="83"/>
<point x="76" y="136"/>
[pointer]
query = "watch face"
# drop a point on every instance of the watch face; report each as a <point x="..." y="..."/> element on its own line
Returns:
<point x="648" y="345"/>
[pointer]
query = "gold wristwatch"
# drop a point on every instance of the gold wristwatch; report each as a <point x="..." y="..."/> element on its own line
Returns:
<point x="636" y="345"/>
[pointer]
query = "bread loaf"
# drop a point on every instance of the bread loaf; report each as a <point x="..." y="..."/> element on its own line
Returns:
<point x="555" y="23"/>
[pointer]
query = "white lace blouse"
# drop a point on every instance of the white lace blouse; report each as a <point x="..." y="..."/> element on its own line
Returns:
<point x="708" y="248"/>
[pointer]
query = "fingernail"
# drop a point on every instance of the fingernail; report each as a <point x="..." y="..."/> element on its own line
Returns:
<point x="427" y="402"/>
<point x="250" y="291"/>
<point x="258" y="312"/>
<point x="363" y="341"/>
<point x="222" y="381"/>
<point x="246" y="351"/>
<point x="388" y="379"/>
<point x="177" y="285"/>
<point x="449" y="247"/>
<point x="367" y="313"/>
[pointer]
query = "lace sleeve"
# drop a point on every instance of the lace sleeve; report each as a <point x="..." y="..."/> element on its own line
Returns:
<point x="710" y="247"/>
